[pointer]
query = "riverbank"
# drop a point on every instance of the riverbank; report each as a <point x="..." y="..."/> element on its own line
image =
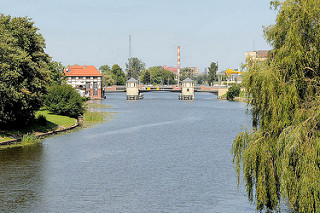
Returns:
<point x="54" y="124"/>
<point x="241" y="98"/>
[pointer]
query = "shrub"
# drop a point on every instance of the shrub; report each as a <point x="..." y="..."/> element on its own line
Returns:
<point x="42" y="120"/>
<point x="233" y="92"/>
<point x="64" y="100"/>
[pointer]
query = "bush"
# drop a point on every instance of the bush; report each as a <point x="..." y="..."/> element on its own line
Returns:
<point x="233" y="92"/>
<point x="42" y="120"/>
<point x="64" y="100"/>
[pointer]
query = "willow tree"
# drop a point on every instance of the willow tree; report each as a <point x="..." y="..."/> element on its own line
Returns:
<point x="280" y="157"/>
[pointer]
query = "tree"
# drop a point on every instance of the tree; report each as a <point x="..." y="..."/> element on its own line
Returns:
<point x="119" y="76"/>
<point x="186" y="73"/>
<point x="156" y="74"/>
<point x="160" y="75"/>
<point x="233" y="92"/>
<point x="212" y="74"/>
<point x="56" y="73"/>
<point x="280" y="156"/>
<point x="108" y="77"/>
<point x="201" y="79"/>
<point x="145" y="76"/>
<point x="134" y="68"/>
<point x="23" y="71"/>
<point x="64" y="100"/>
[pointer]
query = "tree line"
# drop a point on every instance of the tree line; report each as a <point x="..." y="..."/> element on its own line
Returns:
<point x="135" y="68"/>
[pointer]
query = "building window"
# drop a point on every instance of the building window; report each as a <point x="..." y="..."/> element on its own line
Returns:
<point x="95" y="85"/>
<point x="95" y="91"/>
<point x="87" y="85"/>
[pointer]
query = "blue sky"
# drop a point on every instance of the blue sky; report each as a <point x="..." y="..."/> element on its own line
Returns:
<point x="96" y="32"/>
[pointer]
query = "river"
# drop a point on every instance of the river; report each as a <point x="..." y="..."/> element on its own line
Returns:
<point x="158" y="154"/>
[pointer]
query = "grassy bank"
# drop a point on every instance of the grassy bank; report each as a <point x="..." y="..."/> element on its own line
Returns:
<point x="27" y="134"/>
<point x="53" y="122"/>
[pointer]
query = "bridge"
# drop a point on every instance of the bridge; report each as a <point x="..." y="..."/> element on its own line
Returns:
<point x="169" y="88"/>
<point x="219" y="90"/>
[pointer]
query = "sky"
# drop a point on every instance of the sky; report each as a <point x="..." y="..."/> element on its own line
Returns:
<point x="96" y="32"/>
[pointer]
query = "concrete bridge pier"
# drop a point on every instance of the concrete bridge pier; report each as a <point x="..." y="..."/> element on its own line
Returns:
<point x="187" y="92"/>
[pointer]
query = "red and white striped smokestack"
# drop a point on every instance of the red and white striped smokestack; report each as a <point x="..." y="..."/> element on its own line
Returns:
<point x="178" y="67"/>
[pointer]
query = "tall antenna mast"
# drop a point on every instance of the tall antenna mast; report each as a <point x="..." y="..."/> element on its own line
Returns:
<point x="178" y="65"/>
<point x="129" y="46"/>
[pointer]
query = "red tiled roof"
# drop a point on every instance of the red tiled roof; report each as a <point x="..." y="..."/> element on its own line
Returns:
<point x="81" y="71"/>
<point x="172" y="69"/>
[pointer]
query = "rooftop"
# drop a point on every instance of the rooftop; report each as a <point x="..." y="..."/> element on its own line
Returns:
<point x="81" y="71"/>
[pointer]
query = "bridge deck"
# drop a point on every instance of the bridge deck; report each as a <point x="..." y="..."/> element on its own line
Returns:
<point x="169" y="88"/>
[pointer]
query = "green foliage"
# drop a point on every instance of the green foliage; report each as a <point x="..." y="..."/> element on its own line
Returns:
<point x="29" y="139"/>
<point x="23" y="71"/>
<point x="201" y="79"/>
<point x="159" y="75"/>
<point x="145" y="77"/>
<point x="212" y="74"/>
<point x="118" y="75"/>
<point x="64" y="100"/>
<point x="56" y="70"/>
<point x="41" y="119"/>
<point x="233" y="92"/>
<point x="186" y="73"/>
<point x="134" y="68"/>
<point x="280" y="157"/>
<point x="54" y="121"/>
<point x="108" y="77"/>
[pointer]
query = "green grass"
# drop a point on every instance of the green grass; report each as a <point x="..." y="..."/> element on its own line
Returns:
<point x="53" y="122"/>
<point x="4" y="138"/>
<point x="58" y="120"/>
<point x="224" y="95"/>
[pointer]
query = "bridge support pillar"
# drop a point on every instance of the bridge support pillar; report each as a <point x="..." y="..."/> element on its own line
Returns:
<point x="187" y="92"/>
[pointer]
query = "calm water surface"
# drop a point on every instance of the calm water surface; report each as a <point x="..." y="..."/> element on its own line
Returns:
<point x="155" y="155"/>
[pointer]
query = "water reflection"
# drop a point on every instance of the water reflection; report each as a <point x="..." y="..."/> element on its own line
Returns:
<point x="21" y="178"/>
<point x="156" y="155"/>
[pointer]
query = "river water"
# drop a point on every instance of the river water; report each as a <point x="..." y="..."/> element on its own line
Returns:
<point x="158" y="154"/>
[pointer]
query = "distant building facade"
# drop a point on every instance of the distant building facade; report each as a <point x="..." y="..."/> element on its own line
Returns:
<point x="172" y="69"/>
<point x="260" y="55"/>
<point x="86" y="79"/>
<point x="195" y="71"/>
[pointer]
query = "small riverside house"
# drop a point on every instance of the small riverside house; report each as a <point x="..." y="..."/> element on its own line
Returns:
<point x="86" y="79"/>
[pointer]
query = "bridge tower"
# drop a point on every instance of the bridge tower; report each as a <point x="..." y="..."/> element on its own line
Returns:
<point x="187" y="90"/>
<point x="132" y="88"/>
